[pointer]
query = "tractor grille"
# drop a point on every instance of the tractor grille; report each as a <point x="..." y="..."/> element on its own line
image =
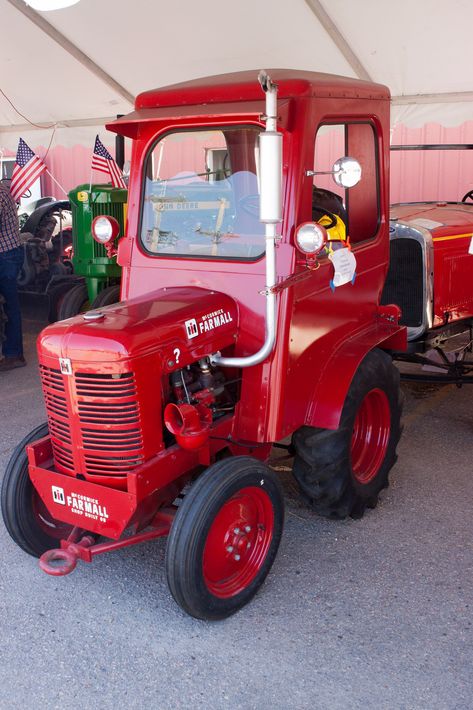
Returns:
<point x="112" y="209"/>
<point x="106" y="436"/>
<point x="58" y="418"/>
<point x="110" y="422"/>
<point x="405" y="281"/>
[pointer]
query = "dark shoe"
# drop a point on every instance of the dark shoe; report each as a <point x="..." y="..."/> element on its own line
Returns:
<point x="10" y="363"/>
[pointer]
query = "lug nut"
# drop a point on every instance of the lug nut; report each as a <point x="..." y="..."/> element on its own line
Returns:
<point x="230" y="548"/>
<point x="237" y="557"/>
<point x="236" y="531"/>
<point x="248" y="545"/>
<point x="248" y="528"/>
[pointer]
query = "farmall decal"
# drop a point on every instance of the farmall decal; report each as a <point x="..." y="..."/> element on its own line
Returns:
<point x="80" y="505"/>
<point x="210" y="321"/>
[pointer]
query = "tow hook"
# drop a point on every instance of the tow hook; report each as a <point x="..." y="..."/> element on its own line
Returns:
<point x="63" y="560"/>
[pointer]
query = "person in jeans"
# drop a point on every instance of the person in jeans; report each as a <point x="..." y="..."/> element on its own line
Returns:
<point x="11" y="259"/>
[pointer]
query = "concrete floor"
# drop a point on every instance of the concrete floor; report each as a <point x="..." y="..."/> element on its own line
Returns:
<point x="373" y="614"/>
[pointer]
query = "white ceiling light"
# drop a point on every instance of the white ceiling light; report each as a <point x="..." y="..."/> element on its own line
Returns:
<point x="44" y="5"/>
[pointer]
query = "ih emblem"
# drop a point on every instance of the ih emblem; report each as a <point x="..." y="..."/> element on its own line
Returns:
<point x="65" y="365"/>
<point x="191" y="328"/>
<point x="58" y="495"/>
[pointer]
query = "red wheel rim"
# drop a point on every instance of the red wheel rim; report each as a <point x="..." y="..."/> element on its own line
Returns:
<point x="370" y="437"/>
<point x="238" y="542"/>
<point x="49" y="525"/>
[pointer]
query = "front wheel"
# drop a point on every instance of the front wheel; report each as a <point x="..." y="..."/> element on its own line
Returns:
<point x="341" y="472"/>
<point x="26" y="518"/>
<point x="225" y="537"/>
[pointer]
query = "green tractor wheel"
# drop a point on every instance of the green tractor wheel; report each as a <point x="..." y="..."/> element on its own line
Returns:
<point x="107" y="296"/>
<point x="74" y="302"/>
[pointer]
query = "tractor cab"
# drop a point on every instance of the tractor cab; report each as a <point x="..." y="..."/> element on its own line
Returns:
<point x="256" y="249"/>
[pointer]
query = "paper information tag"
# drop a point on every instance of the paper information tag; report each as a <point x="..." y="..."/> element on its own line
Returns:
<point x="344" y="263"/>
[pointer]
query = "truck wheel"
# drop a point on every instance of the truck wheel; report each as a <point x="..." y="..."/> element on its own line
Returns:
<point x="107" y="296"/>
<point x="25" y="516"/>
<point x="341" y="472"/>
<point x="75" y="301"/>
<point x="224" y="537"/>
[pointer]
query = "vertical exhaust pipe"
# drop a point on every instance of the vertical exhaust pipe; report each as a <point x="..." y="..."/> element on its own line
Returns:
<point x="270" y="163"/>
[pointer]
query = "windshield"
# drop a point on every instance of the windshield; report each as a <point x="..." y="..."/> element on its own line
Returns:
<point x="201" y="196"/>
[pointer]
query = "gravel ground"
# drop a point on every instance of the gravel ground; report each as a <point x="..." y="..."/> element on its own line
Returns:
<point x="372" y="613"/>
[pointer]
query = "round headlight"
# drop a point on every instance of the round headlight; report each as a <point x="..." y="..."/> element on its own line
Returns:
<point x="311" y="237"/>
<point x="105" y="229"/>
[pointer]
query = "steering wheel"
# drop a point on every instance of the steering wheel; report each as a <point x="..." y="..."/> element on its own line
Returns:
<point x="468" y="196"/>
<point x="325" y="213"/>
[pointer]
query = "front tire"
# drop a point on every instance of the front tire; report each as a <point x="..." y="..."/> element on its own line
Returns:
<point x="224" y="538"/>
<point x="25" y="516"/>
<point x="341" y="472"/>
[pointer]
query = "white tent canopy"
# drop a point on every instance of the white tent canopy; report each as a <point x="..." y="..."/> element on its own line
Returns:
<point x="71" y="70"/>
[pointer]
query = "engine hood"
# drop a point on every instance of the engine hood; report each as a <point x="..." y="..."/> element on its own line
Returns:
<point x="193" y="320"/>
<point x="439" y="218"/>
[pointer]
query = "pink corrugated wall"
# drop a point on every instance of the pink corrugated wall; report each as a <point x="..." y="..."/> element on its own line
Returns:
<point x="431" y="175"/>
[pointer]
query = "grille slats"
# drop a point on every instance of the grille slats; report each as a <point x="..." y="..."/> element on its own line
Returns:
<point x="109" y="416"/>
<point x="404" y="284"/>
<point x="58" y="418"/>
<point x="108" y="413"/>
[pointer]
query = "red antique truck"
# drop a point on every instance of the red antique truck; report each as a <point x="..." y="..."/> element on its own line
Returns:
<point x="430" y="279"/>
<point x="250" y="312"/>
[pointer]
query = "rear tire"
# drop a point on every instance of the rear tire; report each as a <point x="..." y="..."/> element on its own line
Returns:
<point x="24" y="514"/>
<point x="107" y="296"/>
<point x="224" y="538"/>
<point x="341" y="472"/>
<point x="74" y="302"/>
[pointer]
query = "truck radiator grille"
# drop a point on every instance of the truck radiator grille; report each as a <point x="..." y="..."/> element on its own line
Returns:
<point x="405" y="281"/>
<point x="109" y="422"/>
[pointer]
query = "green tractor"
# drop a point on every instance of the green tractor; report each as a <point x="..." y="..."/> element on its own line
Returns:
<point x="96" y="275"/>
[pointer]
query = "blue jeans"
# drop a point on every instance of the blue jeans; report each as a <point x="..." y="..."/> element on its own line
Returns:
<point x="10" y="265"/>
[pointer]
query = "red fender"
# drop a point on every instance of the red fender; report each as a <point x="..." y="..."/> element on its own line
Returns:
<point x="329" y="395"/>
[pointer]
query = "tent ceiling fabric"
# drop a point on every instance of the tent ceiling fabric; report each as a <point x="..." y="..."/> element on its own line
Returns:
<point x="99" y="54"/>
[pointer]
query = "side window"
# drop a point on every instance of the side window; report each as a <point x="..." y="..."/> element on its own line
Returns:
<point x="357" y="206"/>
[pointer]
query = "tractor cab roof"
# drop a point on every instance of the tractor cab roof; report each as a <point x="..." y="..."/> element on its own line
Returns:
<point x="244" y="86"/>
<point x="240" y="92"/>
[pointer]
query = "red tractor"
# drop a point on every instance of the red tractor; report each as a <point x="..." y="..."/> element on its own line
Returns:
<point x="250" y="312"/>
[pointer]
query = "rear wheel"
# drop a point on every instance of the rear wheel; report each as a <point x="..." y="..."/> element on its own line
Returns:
<point x="74" y="302"/>
<point x="225" y="537"/>
<point x="26" y="518"/>
<point x="341" y="472"/>
<point x="107" y="296"/>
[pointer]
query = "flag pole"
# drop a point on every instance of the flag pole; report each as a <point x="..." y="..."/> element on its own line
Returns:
<point x="55" y="181"/>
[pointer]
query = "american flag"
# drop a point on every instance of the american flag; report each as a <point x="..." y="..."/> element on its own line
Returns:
<point x="28" y="168"/>
<point x="104" y="163"/>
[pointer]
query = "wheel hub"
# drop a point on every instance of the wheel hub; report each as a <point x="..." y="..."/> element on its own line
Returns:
<point x="237" y="542"/>
<point x="370" y="439"/>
